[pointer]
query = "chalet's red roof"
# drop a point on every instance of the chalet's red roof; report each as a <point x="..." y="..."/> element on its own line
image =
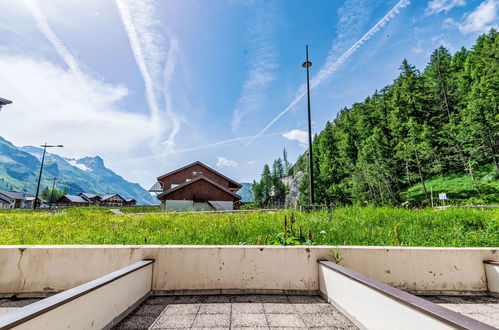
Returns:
<point x="203" y="165"/>
<point x="201" y="177"/>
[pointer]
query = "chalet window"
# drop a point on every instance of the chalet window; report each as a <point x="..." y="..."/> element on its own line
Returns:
<point x="197" y="173"/>
<point x="174" y="185"/>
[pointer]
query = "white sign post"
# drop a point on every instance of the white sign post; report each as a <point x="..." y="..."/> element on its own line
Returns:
<point x="442" y="197"/>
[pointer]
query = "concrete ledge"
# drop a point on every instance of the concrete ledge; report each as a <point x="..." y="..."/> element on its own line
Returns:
<point x="374" y="305"/>
<point x="492" y="273"/>
<point x="50" y="268"/>
<point x="96" y="304"/>
<point x="234" y="292"/>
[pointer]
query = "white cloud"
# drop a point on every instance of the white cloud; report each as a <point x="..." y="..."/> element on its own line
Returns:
<point x="480" y="20"/>
<point x="437" y="6"/>
<point x="49" y="105"/>
<point x="224" y="162"/>
<point x="297" y="135"/>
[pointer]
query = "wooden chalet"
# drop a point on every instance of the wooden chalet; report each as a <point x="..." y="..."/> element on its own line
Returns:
<point x="17" y="200"/>
<point x="130" y="202"/>
<point x="72" y="200"/>
<point x="111" y="200"/>
<point x="93" y="199"/>
<point x="196" y="187"/>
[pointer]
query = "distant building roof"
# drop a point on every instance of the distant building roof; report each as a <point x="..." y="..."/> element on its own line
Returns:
<point x="74" y="199"/>
<point x="107" y="196"/>
<point x="4" y="201"/>
<point x="4" y="101"/>
<point x="89" y="195"/>
<point x="15" y="194"/>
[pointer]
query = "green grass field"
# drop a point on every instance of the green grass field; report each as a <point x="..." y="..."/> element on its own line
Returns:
<point x="460" y="189"/>
<point x="343" y="226"/>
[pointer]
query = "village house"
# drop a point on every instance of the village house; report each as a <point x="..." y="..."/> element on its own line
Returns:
<point x="90" y="199"/>
<point x="130" y="202"/>
<point x="17" y="200"/>
<point x="196" y="187"/>
<point x="72" y="200"/>
<point x="112" y="200"/>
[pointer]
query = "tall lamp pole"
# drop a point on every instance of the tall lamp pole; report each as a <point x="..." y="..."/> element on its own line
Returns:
<point x="52" y="194"/>
<point x="307" y="64"/>
<point x="45" y="146"/>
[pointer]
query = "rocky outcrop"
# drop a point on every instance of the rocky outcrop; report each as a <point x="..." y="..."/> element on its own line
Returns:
<point x="293" y="183"/>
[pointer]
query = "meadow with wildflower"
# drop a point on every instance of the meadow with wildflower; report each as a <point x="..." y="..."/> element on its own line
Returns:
<point x="381" y="226"/>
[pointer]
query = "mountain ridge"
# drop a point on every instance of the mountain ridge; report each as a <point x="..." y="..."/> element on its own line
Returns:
<point x="19" y="168"/>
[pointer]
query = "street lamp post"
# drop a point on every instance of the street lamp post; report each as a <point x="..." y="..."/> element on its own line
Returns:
<point x="45" y="146"/>
<point x="52" y="194"/>
<point x="307" y="65"/>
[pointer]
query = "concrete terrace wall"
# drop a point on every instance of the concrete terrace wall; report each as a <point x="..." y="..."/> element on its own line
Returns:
<point x="209" y="268"/>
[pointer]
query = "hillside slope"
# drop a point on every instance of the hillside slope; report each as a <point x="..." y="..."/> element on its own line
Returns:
<point x="19" y="171"/>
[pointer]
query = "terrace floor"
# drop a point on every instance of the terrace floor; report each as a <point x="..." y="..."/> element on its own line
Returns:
<point x="235" y="312"/>
<point x="484" y="309"/>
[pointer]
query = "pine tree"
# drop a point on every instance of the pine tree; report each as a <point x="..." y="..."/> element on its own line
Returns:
<point x="287" y="165"/>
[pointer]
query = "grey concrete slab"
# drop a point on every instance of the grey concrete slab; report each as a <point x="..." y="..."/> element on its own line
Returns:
<point x="247" y="308"/>
<point x="482" y="308"/>
<point x="212" y="320"/>
<point x="182" y="309"/>
<point x="214" y="308"/>
<point x="327" y="320"/>
<point x="235" y="312"/>
<point x="279" y="308"/>
<point x="174" y="321"/>
<point x="317" y="308"/>
<point x="285" y="320"/>
<point x="249" y="320"/>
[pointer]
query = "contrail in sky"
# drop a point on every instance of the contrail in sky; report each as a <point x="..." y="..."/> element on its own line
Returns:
<point x="229" y="141"/>
<point x="171" y="62"/>
<point x="138" y="53"/>
<point x="43" y="25"/>
<point x="210" y="145"/>
<point x="331" y="66"/>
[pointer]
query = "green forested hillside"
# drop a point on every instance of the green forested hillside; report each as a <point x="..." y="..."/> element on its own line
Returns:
<point x="432" y="130"/>
<point x="430" y="125"/>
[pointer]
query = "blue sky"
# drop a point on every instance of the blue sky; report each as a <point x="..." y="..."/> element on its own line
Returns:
<point x="152" y="85"/>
